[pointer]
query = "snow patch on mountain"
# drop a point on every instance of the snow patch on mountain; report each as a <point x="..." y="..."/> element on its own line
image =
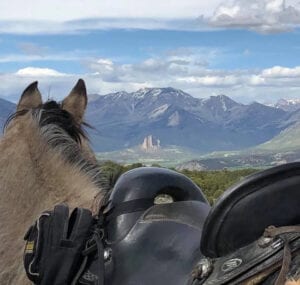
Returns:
<point x="174" y="120"/>
<point x="141" y="93"/>
<point x="224" y="106"/>
<point x="288" y="104"/>
<point x="158" y="111"/>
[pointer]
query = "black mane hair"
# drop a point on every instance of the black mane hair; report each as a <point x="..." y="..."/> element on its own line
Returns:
<point x="52" y="113"/>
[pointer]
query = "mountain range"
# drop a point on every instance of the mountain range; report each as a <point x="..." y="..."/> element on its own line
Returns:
<point x="122" y="120"/>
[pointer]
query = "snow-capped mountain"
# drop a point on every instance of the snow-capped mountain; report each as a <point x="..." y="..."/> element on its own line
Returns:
<point x="217" y="123"/>
<point x="288" y="104"/>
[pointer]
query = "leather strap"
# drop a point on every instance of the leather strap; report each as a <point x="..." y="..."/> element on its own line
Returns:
<point x="287" y="256"/>
<point x="254" y="260"/>
<point x="94" y="249"/>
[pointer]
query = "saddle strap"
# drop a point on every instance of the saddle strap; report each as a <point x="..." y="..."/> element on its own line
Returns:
<point x="271" y="252"/>
<point x="287" y="256"/>
<point x="91" y="271"/>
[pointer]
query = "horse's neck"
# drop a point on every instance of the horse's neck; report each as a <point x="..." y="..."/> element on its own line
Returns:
<point x="34" y="177"/>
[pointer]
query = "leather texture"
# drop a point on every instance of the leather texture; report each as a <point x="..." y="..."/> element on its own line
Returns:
<point x="161" y="244"/>
<point x="242" y="213"/>
<point x="251" y="262"/>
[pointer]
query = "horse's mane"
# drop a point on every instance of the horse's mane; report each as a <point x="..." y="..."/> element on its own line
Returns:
<point x="51" y="113"/>
<point x="61" y="132"/>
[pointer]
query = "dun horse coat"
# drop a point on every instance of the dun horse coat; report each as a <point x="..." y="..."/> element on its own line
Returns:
<point x="44" y="159"/>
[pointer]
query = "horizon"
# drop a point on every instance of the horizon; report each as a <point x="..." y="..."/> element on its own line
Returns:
<point x="269" y="104"/>
<point x="247" y="51"/>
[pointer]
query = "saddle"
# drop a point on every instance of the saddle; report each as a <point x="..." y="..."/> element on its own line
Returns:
<point x="153" y="225"/>
<point x="149" y="231"/>
<point x="237" y="240"/>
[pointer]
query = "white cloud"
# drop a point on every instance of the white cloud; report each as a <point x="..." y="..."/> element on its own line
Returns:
<point x="158" y="70"/>
<point x="55" y="17"/>
<point x="38" y="72"/>
<point x="281" y="72"/>
<point x="266" y="16"/>
<point x="62" y="11"/>
<point x="214" y="81"/>
<point x="257" y="80"/>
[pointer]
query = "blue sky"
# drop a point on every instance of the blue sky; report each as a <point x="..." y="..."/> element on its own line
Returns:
<point x="248" y="51"/>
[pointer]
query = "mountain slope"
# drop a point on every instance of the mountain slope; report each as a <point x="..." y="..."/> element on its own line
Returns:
<point x="288" y="139"/>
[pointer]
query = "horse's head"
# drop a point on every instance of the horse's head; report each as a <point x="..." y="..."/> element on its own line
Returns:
<point x="59" y="125"/>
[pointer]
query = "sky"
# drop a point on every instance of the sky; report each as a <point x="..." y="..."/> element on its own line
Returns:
<point x="248" y="50"/>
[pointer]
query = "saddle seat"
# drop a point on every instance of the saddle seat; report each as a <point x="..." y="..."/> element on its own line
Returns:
<point x="152" y="241"/>
<point x="240" y="216"/>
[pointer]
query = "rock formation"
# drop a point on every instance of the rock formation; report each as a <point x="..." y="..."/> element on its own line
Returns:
<point x="150" y="144"/>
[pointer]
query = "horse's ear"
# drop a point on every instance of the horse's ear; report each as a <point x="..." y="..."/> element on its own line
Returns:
<point x="31" y="97"/>
<point x="75" y="103"/>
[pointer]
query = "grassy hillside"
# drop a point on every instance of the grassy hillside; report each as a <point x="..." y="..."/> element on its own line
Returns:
<point x="289" y="139"/>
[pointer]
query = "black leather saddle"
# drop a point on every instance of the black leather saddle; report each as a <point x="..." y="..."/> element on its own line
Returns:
<point x="240" y="216"/>
<point x="234" y="232"/>
<point x="154" y="220"/>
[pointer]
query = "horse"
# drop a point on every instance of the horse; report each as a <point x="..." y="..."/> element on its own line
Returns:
<point x="45" y="159"/>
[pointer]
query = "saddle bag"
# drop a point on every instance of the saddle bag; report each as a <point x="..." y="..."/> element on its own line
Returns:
<point x="54" y="245"/>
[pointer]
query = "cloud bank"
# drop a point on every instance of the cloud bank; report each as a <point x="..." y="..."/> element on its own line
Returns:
<point x="186" y="72"/>
<point x="265" y="16"/>
<point x="61" y="17"/>
<point x="57" y="17"/>
<point x="64" y="11"/>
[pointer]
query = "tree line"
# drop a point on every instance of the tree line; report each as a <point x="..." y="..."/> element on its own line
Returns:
<point x="212" y="183"/>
